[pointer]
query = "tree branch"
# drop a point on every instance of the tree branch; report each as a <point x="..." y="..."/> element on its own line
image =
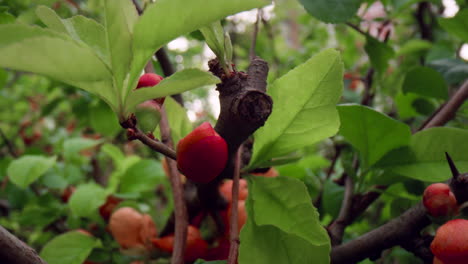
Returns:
<point x="337" y="227"/>
<point x="254" y="35"/>
<point x="407" y="226"/>
<point x="181" y="222"/>
<point x="156" y="145"/>
<point x="15" y="251"/>
<point x="448" y="110"/>
<point x="390" y="234"/>
<point x="234" y="229"/>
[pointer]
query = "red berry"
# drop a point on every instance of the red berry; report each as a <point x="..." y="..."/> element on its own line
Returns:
<point x="148" y="80"/>
<point x="439" y="200"/>
<point x="450" y="244"/>
<point x="202" y="154"/>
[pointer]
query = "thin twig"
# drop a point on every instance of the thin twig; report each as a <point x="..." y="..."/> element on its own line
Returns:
<point x="447" y="112"/>
<point x="181" y="221"/>
<point x="154" y="144"/>
<point x="336" y="229"/>
<point x="9" y="144"/>
<point x="359" y="30"/>
<point x="368" y="95"/>
<point x="254" y="35"/>
<point x="234" y="229"/>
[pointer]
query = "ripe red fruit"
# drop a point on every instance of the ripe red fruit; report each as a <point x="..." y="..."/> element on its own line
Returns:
<point x="148" y="80"/>
<point x="202" y="154"/>
<point x="439" y="200"/>
<point x="450" y="245"/>
<point x="196" y="247"/>
<point x="225" y="189"/>
<point x="131" y="229"/>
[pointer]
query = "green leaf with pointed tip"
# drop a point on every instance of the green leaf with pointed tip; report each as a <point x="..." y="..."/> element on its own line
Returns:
<point x="73" y="146"/>
<point x="282" y="225"/>
<point x="79" y="28"/>
<point x="178" y="121"/>
<point x="71" y="248"/>
<point x="425" y="81"/>
<point x="332" y="11"/>
<point x="27" y="169"/>
<point x="177" y="83"/>
<point x="120" y="19"/>
<point x="456" y="25"/>
<point x="6" y="18"/>
<point x="304" y="109"/>
<point x="372" y="133"/>
<point x="86" y="199"/>
<point x="51" y="19"/>
<point x="413" y="46"/>
<point x="43" y="51"/>
<point x="142" y="177"/>
<point x="214" y="37"/>
<point x="424" y="158"/>
<point x="158" y="25"/>
<point x="379" y="53"/>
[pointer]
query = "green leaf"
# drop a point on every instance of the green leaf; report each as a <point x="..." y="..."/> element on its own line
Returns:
<point x="214" y="37"/>
<point x="79" y="28"/>
<point x="425" y="81"/>
<point x="332" y="11"/>
<point x="332" y="199"/>
<point x="178" y="120"/>
<point x="454" y="70"/>
<point x="372" y="133"/>
<point x="304" y="109"/>
<point x="6" y="18"/>
<point x="120" y="19"/>
<point x="42" y="51"/>
<point x="86" y="199"/>
<point x="177" y="83"/>
<point x="424" y="159"/>
<point x="72" y="147"/>
<point x="142" y="176"/>
<point x="379" y="53"/>
<point x="456" y="25"/>
<point x="27" y="169"/>
<point x="158" y="25"/>
<point x="114" y="152"/>
<point x="51" y="19"/>
<point x="122" y="167"/>
<point x="413" y="46"/>
<point x="71" y="248"/>
<point x="282" y="225"/>
<point x="103" y="120"/>
<point x="39" y="216"/>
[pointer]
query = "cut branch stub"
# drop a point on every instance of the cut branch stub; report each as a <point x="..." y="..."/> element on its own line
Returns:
<point x="459" y="181"/>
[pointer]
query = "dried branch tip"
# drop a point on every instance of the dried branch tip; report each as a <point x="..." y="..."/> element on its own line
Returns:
<point x="453" y="168"/>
